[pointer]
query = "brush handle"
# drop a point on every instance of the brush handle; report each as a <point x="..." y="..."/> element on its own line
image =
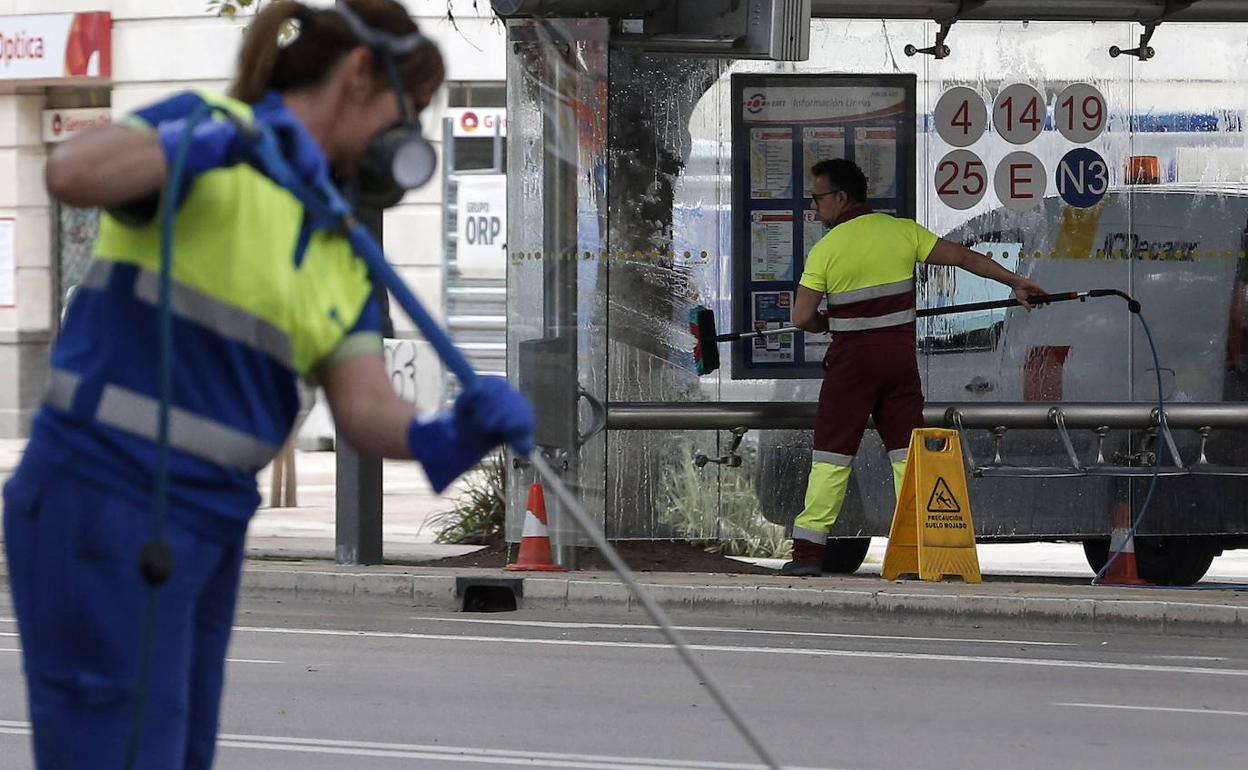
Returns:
<point x="970" y="307"/>
<point x="733" y="336"/>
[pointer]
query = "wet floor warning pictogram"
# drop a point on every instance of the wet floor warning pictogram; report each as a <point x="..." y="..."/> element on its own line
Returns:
<point x="942" y="499"/>
<point x="939" y="539"/>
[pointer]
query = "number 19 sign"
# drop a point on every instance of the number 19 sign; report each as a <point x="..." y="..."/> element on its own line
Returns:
<point x="1080" y="113"/>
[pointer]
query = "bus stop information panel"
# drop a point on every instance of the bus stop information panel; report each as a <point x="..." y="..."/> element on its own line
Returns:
<point x="783" y="125"/>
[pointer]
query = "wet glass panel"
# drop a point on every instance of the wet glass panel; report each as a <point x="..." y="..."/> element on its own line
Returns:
<point x="556" y="329"/>
<point x="1187" y="173"/>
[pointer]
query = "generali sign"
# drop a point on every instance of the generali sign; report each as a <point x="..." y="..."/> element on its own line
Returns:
<point x="470" y="122"/>
<point x="59" y="46"/>
<point x="59" y="125"/>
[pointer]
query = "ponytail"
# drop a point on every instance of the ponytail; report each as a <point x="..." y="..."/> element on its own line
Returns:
<point x="290" y="46"/>
<point x="261" y="48"/>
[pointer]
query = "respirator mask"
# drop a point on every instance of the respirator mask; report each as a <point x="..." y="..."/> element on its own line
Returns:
<point x="400" y="158"/>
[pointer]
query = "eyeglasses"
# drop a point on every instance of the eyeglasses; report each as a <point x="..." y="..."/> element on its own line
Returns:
<point x="817" y="196"/>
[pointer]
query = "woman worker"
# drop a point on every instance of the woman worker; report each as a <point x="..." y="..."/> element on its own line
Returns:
<point x="262" y="294"/>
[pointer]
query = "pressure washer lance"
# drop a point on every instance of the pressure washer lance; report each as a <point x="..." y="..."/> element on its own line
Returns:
<point x="328" y="202"/>
<point x="706" y="340"/>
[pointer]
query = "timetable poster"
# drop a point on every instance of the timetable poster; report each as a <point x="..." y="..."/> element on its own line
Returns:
<point x="812" y="231"/>
<point x="877" y="157"/>
<point x="773" y="310"/>
<point x="771" y="246"/>
<point x="771" y="163"/>
<point x="782" y="125"/>
<point x="820" y="144"/>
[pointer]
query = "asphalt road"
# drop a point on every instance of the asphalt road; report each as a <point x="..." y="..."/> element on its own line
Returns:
<point x="331" y="686"/>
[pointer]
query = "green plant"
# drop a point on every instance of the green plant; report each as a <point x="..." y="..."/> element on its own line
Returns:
<point x="480" y="510"/>
<point x="232" y="8"/>
<point x="721" y="517"/>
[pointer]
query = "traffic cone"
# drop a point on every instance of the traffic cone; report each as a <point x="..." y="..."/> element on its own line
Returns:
<point x="535" y="542"/>
<point x="1123" y="570"/>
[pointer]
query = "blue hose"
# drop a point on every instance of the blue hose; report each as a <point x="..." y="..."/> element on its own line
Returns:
<point x="1161" y="430"/>
<point x="155" y="559"/>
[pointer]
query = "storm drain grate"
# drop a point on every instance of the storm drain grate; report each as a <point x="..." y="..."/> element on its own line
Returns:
<point x="489" y="594"/>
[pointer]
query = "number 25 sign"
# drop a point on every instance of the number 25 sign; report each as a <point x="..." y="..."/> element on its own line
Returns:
<point x="961" y="180"/>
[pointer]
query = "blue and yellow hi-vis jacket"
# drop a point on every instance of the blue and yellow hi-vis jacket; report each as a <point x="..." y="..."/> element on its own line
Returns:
<point x="260" y="298"/>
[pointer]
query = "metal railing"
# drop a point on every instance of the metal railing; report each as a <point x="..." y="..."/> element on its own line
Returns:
<point x="767" y="415"/>
<point x="998" y="418"/>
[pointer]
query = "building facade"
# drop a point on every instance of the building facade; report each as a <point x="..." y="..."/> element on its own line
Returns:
<point x="65" y="64"/>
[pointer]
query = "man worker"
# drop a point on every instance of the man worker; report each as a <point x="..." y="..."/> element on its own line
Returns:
<point x="864" y="265"/>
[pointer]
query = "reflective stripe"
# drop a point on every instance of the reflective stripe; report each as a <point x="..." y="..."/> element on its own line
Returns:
<point x="875" y="322"/>
<point x="898" y="455"/>
<point x="98" y="274"/>
<point x="810" y="535"/>
<point x="872" y="292"/>
<point x="533" y="526"/>
<point x="833" y="458"/>
<point x="188" y="432"/>
<point x="213" y="314"/>
<point x="62" y="387"/>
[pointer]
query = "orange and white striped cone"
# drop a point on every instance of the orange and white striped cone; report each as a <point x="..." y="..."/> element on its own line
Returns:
<point x="535" y="541"/>
<point x="1123" y="570"/>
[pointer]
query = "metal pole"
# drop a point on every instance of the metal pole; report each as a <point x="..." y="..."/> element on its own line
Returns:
<point x="358" y="523"/>
<point x="767" y="415"/>
<point x="559" y="272"/>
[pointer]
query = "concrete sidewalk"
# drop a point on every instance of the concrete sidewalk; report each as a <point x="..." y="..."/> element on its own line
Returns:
<point x="292" y="549"/>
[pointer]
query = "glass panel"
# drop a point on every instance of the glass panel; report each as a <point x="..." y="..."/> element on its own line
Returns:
<point x="556" y="319"/>
<point x="1186" y="250"/>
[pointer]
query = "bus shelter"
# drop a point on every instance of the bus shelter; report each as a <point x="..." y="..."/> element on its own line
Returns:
<point x="659" y="155"/>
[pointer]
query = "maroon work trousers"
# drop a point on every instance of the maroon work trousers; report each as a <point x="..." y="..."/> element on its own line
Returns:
<point x="865" y="379"/>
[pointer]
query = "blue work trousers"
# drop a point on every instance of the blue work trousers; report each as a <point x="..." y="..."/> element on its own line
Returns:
<point x="72" y="549"/>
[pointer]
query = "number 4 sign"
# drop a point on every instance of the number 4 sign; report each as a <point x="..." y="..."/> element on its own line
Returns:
<point x="961" y="116"/>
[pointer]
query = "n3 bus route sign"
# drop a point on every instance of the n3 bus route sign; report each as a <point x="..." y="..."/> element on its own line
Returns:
<point x="961" y="180"/>
<point x="1020" y="181"/>
<point x="1082" y="178"/>
<point x="1080" y="113"/>
<point x="961" y="116"/>
<point x="1018" y="113"/>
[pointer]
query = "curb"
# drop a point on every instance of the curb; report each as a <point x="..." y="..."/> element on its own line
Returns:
<point x="779" y="599"/>
<point x="761" y="598"/>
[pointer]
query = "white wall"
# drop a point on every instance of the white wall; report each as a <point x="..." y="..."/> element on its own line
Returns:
<point x="163" y="46"/>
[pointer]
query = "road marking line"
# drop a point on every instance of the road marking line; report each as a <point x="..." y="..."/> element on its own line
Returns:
<point x="1163" y="709"/>
<point x="755" y="631"/>
<point x="465" y="754"/>
<point x="227" y="660"/>
<point x="812" y="652"/>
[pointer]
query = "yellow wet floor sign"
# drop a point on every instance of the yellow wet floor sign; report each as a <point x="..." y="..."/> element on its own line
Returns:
<point x="932" y="534"/>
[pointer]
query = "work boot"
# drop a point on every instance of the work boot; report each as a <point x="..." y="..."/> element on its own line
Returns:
<point x="807" y="560"/>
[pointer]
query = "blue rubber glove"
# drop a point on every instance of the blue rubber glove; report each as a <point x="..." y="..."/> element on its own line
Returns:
<point x="297" y="145"/>
<point x="215" y="143"/>
<point x="488" y="413"/>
